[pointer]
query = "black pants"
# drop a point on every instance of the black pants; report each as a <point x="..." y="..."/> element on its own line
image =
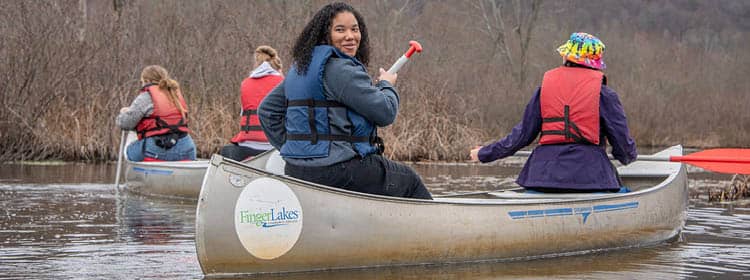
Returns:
<point x="372" y="174"/>
<point x="237" y="152"/>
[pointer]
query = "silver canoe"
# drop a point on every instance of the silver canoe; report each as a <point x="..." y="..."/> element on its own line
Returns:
<point x="251" y="220"/>
<point x="170" y="179"/>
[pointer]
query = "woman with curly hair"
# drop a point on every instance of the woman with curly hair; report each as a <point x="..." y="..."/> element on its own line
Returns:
<point x="324" y="116"/>
<point x="159" y="116"/>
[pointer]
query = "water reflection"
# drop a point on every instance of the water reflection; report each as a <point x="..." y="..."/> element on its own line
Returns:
<point x="92" y="231"/>
<point x="667" y="261"/>
<point x="57" y="227"/>
<point x="596" y="265"/>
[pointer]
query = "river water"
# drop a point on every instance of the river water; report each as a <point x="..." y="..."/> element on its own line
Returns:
<point x="69" y="221"/>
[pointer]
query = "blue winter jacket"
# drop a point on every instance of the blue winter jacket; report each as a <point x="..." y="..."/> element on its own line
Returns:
<point x="345" y="82"/>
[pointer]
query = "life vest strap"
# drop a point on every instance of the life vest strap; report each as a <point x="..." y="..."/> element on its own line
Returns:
<point x="145" y="87"/>
<point x="247" y="127"/>
<point x="248" y="113"/>
<point x="251" y="128"/>
<point x="161" y="124"/>
<point x="548" y="120"/>
<point x="329" y="137"/>
<point x="311" y="104"/>
<point x="568" y="128"/>
<point x="563" y="133"/>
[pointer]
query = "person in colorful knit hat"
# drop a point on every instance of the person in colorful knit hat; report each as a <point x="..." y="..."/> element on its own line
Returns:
<point x="575" y="113"/>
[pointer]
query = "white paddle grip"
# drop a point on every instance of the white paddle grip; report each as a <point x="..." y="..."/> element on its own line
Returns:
<point x="396" y="66"/>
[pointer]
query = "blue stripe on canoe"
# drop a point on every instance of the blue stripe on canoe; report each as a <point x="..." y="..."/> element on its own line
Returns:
<point x="584" y="211"/>
<point x="615" y="207"/>
<point x="558" y="212"/>
<point x="540" y="213"/>
<point x="517" y="214"/>
<point x="535" y="213"/>
<point x="152" y="171"/>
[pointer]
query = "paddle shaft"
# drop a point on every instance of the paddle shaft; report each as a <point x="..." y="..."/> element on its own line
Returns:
<point x="119" y="159"/>
<point x="646" y="158"/>
<point x="690" y="158"/>
<point x="414" y="46"/>
<point x="640" y="157"/>
<point x="396" y="66"/>
<point x="687" y="158"/>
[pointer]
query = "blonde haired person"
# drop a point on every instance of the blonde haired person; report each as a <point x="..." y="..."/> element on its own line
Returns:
<point x="265" y="76"/>
<point x="159" y="115"/>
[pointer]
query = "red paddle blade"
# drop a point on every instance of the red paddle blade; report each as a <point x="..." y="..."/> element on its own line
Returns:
<point x="731" y="161"/>
<point x="728" y="168"/>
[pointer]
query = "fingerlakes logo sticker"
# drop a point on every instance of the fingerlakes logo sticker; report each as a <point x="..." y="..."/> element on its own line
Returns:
<point x="272" y="218"/>
<point x="267" y="218"/>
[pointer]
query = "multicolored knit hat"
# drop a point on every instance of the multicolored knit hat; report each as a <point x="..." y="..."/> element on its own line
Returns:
<point x="585" y="49"/>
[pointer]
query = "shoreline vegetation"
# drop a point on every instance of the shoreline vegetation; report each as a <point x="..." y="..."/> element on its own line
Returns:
<point x="679" y="68"/>
<point x="738" y="188"/>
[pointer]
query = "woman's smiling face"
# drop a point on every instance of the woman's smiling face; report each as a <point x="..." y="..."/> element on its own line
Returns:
<point x="345" y="33"/>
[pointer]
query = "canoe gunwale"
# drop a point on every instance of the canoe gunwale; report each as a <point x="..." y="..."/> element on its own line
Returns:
<point x="195" y="164"/>
<point x="218" y="161"/>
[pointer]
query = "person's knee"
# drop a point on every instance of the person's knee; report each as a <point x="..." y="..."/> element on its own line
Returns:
<point x="134" y="151"/>
<point x="190" y="154"/>
<point x="409" y="181"/>
<point x="417" y="189"/>
<point x="226" y="151"/>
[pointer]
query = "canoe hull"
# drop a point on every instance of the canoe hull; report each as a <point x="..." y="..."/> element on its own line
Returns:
<point x="176" y="180"/>
<point x="169" y="179"/>
<point x="339" y="229"/>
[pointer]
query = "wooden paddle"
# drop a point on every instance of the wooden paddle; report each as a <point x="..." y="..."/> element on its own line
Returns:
<point x="724" y="160"/>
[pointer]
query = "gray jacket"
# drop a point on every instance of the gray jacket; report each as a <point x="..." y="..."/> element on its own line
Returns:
<point x="346" y="83"/>
<point x="141" y="107"/>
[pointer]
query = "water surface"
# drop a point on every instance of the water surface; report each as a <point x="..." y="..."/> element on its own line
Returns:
<point x="68" y="221"/>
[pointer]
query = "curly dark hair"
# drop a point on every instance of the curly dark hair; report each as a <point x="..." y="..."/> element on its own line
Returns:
<point x="317" y="32"/>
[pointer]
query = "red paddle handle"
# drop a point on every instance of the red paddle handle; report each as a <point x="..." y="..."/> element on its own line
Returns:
<point x="414" y="47"/>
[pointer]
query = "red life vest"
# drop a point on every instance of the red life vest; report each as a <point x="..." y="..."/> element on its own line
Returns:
<point x="165" y="118"/>
<point x="570" y="105"/>
<point x="252" y="92"/>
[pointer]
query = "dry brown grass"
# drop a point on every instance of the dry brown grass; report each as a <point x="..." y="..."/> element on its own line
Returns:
<point x="430" y="126"/>
<point x="739" y="188"/>
<point x="68" y="66"/>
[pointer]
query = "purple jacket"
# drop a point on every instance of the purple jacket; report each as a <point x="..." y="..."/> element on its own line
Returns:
<point x="569" y="166"/>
